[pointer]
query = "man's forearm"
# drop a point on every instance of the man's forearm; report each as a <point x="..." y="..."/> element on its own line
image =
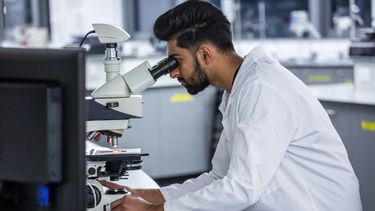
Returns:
<point x="152" y="195"/>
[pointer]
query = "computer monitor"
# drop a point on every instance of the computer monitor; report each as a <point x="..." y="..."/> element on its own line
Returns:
<point x="2" y="20"/>
<point x="42" y="129"/>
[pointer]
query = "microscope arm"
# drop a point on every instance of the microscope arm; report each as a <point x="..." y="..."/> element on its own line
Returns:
<point x="112" y="104"/>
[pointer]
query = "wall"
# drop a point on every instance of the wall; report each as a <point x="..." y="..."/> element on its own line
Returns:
<point x="74" y="17"/>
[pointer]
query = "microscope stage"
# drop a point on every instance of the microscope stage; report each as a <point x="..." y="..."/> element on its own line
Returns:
<point x="115" y="157"/>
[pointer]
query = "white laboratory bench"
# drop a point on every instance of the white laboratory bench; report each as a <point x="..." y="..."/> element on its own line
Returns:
<point x="344" y="93"/>
<point x="138" y="179"/>
<point x="353" y="115"/>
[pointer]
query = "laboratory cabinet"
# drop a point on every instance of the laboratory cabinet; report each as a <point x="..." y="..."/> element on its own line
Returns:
<point x="176" y="131"/>
<point x="353" y="116"/>
<point x="311" y="73"/>
<point x="355" y="124"/>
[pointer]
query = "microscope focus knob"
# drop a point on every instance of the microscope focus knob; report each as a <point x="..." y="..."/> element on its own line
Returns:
<point x="91" y="171"/>
<point x="93" y="196"/>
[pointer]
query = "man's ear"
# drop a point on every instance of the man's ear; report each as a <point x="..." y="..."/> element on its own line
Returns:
<point x="205" y="53"/>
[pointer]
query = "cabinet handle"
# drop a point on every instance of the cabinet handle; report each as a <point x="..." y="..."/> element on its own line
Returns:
<point x="331" y="112"/>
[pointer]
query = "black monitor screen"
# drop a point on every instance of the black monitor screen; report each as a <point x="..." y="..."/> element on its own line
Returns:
<point x="42" y="129"/>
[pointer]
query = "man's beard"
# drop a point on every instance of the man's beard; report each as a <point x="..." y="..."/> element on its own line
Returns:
<point x="198" y="82"/>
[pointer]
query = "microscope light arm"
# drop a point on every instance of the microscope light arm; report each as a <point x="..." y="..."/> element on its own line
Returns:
<point x="110" y="34"/>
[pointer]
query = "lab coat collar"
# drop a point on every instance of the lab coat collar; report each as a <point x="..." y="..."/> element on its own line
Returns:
<point x="255" y="54"/>
<point x="223" y="103"/>
<point x="252" y="57"/>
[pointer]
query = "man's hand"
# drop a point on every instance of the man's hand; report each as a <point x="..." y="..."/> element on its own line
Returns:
<point x="136" y="203"/>
<point x="151" y="195"/>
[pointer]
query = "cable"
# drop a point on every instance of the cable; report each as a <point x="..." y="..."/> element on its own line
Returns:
<point x="93" y="193"/>
<point x="83" y="39"/>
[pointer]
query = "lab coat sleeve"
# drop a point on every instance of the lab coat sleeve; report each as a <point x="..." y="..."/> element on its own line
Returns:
<point x="261" y="137"/>
<point x="220" y="163"/>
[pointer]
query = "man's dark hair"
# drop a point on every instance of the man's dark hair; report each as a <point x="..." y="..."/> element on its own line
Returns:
<point x="194" y="22"/>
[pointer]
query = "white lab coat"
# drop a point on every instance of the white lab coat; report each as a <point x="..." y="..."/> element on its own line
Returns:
<point x="278" y="150"/>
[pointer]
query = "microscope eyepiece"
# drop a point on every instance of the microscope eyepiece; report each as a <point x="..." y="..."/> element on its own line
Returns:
<point x="163" y="67"/>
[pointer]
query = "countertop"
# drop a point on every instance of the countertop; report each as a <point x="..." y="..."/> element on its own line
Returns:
<point x="345" y="93"/>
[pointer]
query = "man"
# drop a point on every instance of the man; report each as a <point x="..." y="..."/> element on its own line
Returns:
<point x="278" y="149"/>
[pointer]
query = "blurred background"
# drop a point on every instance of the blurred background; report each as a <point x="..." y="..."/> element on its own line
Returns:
<point x="328" y="44"/>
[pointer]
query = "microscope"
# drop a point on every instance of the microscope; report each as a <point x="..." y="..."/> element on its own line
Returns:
<point x="111" y="106"/>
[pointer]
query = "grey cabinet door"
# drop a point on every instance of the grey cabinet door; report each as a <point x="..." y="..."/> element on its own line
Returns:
<point x="355" y="124"/>
<point x="176" y="131"/>
<point x="363" y="126"/>
<point x="187" y="130"/>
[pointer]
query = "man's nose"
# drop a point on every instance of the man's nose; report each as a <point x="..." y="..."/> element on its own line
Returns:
<point x="175" y="73"/>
